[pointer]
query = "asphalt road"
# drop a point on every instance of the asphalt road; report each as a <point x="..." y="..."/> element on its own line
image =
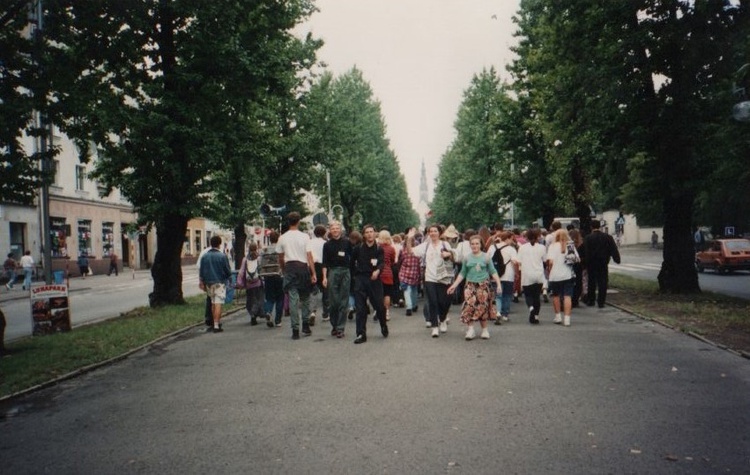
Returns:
<point x="610" y="394"/>
<point x="643" y="263"/>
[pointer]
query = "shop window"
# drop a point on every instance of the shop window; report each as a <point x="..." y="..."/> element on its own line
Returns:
<point x="108" y="239"/>
<point x="84" y="237"/>
<point x="59" y="231"/>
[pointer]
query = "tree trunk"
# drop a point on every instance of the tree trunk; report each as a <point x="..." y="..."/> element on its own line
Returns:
<point x="678" y="274"/>
<point x="240" y="238"/>
<point x="167" y="268"/>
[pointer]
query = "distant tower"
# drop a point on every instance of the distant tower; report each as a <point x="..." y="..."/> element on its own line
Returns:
<point x="423" y="199"/>
<point x="423" y="208"/>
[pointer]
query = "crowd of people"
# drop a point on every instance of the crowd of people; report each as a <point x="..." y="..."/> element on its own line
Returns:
<point x="359" y="275"/>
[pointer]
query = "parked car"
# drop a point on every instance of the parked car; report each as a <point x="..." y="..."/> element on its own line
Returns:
<point x="724" y="255"/>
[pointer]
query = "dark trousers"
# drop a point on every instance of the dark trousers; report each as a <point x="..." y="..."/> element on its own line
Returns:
<point x="208" y="316"/>
<point x="254" y="299"/>
<point x="438" y="301"/>
<point x="112" y="268"/>
<point x="364" y="289"/>
<point x="598" y="279"/>
<point x="532" y="293"/>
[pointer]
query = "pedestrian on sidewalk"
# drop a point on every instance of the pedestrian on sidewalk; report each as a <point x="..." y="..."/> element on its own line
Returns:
<point x="83" y="264"/>
<point x="561" y="257"/>
<point x="248" y="278"/>
<point x="273" y="282"/>
<point x="367" y="265"/>
<point x="386" y="276"/>
<point x="298" y="269"/>
<point x="9" y="268"/>
<point x="27" y="263"/>
<point x="214" y="275"/>
<point x="479" y="298"/>
<point x="531" y="258"/>
<point x="112" y="264"/>
<point x="509" y="256"/>
<point x="598" y="247"/>
<point x="315" y="246"/>
<point x="337" y="255"/>
<point x="410" y="277"/>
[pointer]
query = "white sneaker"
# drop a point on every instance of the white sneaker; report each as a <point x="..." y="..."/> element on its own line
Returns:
<point x="428" y="324"/>
<point x="470" y="333"/>
<point x="505" y="318"/>
<point x="435" y="332"/>
<point x="485" y="334"/>
<point x="558" y="319"/>
<point x="443" y="327"/>
<point x="566" y="321"/>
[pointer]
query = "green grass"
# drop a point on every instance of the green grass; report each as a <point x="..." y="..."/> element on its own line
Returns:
<point x="722" y="319"/>
<point x="36" y="360"/>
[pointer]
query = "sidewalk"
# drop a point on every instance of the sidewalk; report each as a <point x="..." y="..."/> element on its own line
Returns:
<point x="610" y="394"/>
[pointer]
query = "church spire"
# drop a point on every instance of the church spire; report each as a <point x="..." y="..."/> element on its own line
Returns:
<point x="423" y="194"/>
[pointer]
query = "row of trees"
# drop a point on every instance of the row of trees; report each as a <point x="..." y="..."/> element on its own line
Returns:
<point x="611" y="105"/>
<point x="192" y="109"/>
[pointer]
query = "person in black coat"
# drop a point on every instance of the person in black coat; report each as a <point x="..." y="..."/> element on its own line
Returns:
<point x="598" y="248"/>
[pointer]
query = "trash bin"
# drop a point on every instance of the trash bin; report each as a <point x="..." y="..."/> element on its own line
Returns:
<point x="230" y="287"/>
<point x="59" y="276"/>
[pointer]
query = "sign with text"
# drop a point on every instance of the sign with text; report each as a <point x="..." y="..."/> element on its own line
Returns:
<point x="50" y="309"/>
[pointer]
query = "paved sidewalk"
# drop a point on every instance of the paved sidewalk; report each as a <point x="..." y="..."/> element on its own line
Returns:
<point x="610" y="394"/>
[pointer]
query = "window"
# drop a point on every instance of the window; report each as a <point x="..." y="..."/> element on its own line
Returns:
<point x="80" y="177"/>
<point x="84" y="237"/>
<point x="186" y="244"/>
<point x="17" y="241"/>
<point x="108" y="239"/>
<point x="197" y="241"/>
<point x="55" y="171"/>
<point x="59" y="231"/>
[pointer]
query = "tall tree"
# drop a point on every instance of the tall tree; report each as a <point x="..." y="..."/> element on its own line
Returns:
<point x="158" y="88"/>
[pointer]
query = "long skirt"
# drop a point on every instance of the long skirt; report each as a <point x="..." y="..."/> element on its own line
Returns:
<point x="479" y="302"/>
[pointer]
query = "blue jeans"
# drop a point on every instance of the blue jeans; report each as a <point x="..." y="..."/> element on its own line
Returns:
<point x="505" y="297"/>
<point x="27" y="278"/>
<point x="410" y="296"/>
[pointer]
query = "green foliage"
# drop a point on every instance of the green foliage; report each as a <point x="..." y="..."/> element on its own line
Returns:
<point x="344" y="134"/>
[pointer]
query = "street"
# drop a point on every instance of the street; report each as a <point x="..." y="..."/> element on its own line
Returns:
<point x="94" y="298"/>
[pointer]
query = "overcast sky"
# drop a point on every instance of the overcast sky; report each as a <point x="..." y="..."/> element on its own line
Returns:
<point x="419" y="57"/>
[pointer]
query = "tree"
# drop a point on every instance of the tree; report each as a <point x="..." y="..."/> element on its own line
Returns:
<point x="344" y="134"/>
<point x="158" y="89"/>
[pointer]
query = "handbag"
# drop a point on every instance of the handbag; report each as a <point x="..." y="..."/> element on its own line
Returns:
<point x="445" y="271"/>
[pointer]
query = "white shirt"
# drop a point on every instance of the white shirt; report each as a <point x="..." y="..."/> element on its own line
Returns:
<point x="27" y="262"/>
<point x="432" y="258"/>
<point x="315" y="246"/>
<point x="560" y="270"/>
<point x="293" y="244"/>
<point x="463" y="250"/>
<point x="531" y="259"/>
<point x="510" y="255"/>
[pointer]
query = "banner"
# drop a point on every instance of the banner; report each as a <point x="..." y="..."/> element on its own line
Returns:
<point x="50" y="309"/>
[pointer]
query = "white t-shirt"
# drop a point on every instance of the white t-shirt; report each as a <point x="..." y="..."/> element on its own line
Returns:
<point x="315" y="246"/>
<point x="532" y="259"/>
<point x="560" y="270"/>
<point x="509" y="255"/>
<point x="432" y="257"/>
<point x="27" y="262"/>
<point x="293" y="244"/>
<point x="463" y="251"/>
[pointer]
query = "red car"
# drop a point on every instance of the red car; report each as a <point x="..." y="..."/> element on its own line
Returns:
<point x="724" y="255"/>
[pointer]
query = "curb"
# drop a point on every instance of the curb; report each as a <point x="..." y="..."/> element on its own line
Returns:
<point x="93" y="366"/>
<point x="740" y="353"/>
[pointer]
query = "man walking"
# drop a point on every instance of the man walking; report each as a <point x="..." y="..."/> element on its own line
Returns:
<point x="27" y="262"/>
<point x="9" y="266"/>
<point x="299" y="273"/>
<point x="337" y="254"/>
<point x="598" y="248"/>
<point x="367" y="264"/>
<point x="315" y="247"/>
<point x="214" y="273"/>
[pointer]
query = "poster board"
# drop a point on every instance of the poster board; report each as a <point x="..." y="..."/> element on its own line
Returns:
<point x="50" y="309"/>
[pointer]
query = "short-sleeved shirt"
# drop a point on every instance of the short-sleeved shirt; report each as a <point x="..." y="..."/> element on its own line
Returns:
<point x="560" y="270"/>
<point x="477" y="268"/>
<point x="293" y="244"/>
<point x="510" y="257"/>
<point x="531" y="257"/>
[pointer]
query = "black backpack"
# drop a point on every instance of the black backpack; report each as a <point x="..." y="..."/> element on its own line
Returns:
<point x="497" y="259"/>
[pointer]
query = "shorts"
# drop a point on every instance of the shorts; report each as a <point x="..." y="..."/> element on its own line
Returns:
<point x="562" y="288"/>
<point x="217" y="293"/>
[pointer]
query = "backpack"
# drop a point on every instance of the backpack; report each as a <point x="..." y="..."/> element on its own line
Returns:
<point x="571" y="255"/>
<point x="269" y="264"/>
<point x="497" y="260"/>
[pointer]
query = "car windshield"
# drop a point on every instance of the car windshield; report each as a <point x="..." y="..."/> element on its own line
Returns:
<point x="738" y="245"/>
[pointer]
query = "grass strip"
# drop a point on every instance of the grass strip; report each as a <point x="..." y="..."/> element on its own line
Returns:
<point x="719" y="318"/>
<point x="36" y="360"/>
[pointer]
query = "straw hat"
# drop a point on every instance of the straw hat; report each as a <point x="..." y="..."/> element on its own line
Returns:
<point x="450" y="232"/>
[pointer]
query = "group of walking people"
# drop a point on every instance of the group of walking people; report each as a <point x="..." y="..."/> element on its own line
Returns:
<point x="369" y="273"/>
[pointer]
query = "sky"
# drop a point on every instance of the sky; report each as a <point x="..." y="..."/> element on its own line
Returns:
<point x="419" y="57"/>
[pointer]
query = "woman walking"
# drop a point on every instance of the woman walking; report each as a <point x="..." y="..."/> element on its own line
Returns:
<point x="478" y="295"/>
<point x="531" y="259"/>
<point x="386" y="277"/>
<point x="248" y="278"/>
<point x="438" y="259"/>
<point x="561" y="256"/>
